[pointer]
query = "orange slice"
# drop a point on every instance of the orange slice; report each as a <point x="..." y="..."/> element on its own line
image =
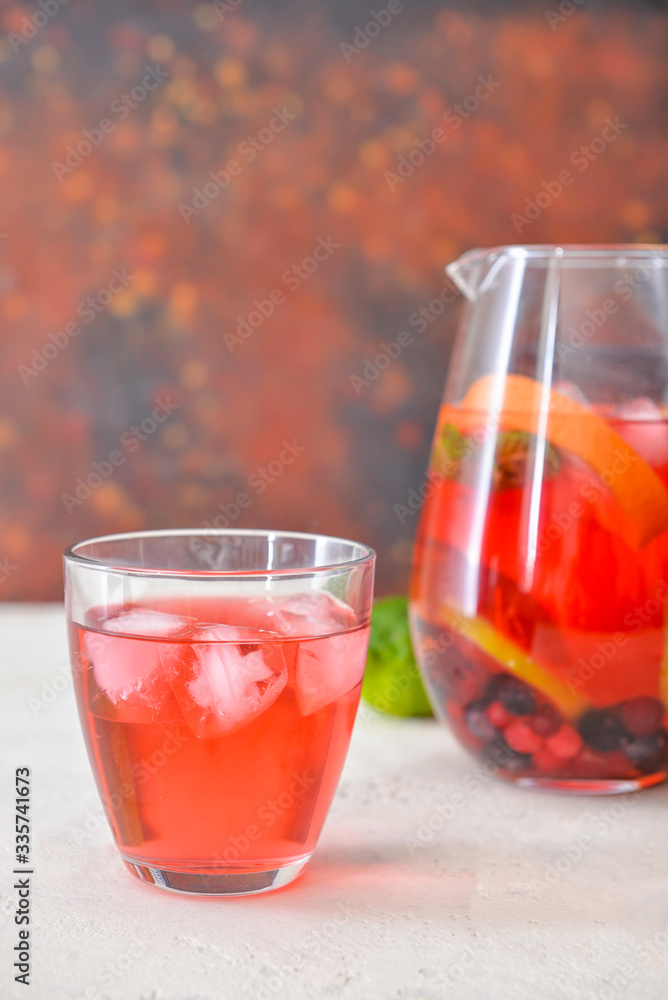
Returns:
<point x="522" y="404"/>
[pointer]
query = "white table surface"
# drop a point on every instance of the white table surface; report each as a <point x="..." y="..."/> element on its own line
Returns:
<point x="498" y="902"/>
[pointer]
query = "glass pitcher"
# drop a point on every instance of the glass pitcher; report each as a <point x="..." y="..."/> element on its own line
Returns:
<point x="540" y="576"/>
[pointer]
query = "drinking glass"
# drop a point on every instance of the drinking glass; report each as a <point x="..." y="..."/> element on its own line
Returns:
<point x="540" y="580"/>
<point x="217" y="677"/>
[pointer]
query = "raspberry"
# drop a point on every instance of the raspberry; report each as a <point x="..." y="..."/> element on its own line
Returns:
<point x="454" y="711"/>
<point x="642" y="716"/>
<point x="520" y="736"/>
<point x="546" y="762"/>
<point x="498" y="715"/>
<point x="546" y="721"/>
<point x="564" y="744"/>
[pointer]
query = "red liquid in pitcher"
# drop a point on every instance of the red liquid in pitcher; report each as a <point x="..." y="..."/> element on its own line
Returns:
<point x="539" y="617"/>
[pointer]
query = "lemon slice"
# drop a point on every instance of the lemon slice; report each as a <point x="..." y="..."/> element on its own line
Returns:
<point x="515" y="660"/>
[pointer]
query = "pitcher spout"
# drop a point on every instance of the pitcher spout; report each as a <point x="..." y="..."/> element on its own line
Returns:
<point x="476" y="270"/>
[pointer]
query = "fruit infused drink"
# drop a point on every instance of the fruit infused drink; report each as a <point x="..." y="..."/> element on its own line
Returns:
<point x="217" y="736"/>
<point x="540" y="585"/>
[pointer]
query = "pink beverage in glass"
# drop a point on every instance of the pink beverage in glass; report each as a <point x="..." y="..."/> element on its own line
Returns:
<point x="178" y="722"/>
<point x="217" y="728"/>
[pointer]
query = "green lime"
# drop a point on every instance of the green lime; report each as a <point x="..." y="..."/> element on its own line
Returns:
<point x="392" y="681"/>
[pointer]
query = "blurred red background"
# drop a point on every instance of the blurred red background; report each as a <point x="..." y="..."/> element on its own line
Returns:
<point x="181" y="349"/>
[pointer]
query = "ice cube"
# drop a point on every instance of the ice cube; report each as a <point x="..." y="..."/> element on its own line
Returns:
<point x="571" y="390"/>
<point x="319" y="613"/>
<point x="232" y="675"/>
<point x="145" y="621"/>
<point x="128" y="664"/>
<point x="329" y="667"/>
<point x="641" y="408"/>
<point x="643" y="426"/>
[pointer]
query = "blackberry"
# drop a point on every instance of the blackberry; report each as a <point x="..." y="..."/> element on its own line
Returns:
<point x="505" y="757"/>
<point x="648" y="753"/>
<point x="478" y="722"/>
<point x="457" y="678"/>
<point x="602" y="730"/>
<point x="515" y="696"/>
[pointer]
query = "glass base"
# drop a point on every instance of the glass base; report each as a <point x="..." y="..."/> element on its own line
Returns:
<point x="590" y="786"/>
<point x="217" y="881"/>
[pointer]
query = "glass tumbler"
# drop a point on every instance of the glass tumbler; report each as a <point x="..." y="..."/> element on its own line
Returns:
<point x="217" y="677"/>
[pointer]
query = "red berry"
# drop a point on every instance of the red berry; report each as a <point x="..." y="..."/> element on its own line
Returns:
<point x="520" y="736"/>
<point x="564" y="744"/>
<point x="546" y="762"/>
<point x="642" y="716"/>
<point x="498" y="715"/>
<point x="546" y="721"/>
<point x="454" y="711"/>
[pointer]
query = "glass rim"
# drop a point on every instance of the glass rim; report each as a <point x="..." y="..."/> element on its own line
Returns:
<point x="605" y="252"/>
<point x="70" y="554"/>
